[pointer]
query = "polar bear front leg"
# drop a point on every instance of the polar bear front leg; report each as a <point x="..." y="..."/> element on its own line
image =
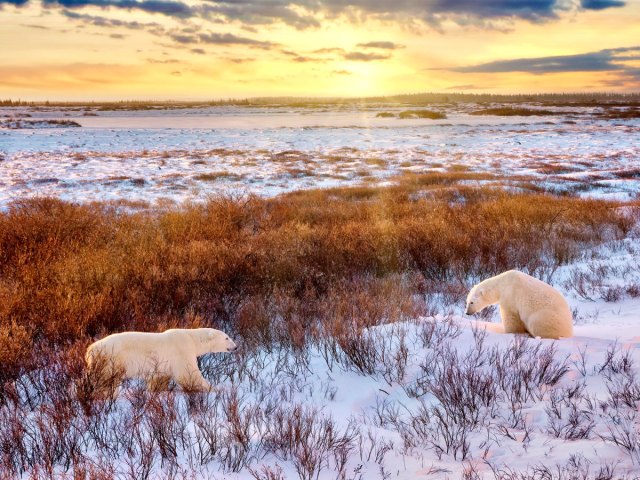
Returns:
<point x="511" y="321"/>
<point x="190" y="378"/>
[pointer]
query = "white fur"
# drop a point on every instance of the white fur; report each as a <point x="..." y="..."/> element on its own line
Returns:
<point x="158" y="357"/>
<point x="527" y="305"/>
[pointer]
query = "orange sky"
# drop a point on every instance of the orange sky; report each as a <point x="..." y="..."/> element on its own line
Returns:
<point x="200" y="49"/>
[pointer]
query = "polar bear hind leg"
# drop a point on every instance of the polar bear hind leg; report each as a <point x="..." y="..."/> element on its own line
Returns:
<point x="512" y="322"/>
<point x="546" y="324"/>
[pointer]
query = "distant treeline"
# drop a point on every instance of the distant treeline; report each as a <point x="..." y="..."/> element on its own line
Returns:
<point x="409" y="99"/>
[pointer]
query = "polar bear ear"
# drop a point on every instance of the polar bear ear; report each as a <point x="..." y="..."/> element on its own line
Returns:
<point x="480" y="293"/>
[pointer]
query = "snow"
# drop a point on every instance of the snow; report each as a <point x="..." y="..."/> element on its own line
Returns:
<point x="271" y="151"/>
<point x="158" y="156"/>
<point x="395" y="413"/>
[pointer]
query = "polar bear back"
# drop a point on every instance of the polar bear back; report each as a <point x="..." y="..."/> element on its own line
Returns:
<point x="542" y="309"/>
<point x="139" y="353"/>
<point x="530" y="294"/>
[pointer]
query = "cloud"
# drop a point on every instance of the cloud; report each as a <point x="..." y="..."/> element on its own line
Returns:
<point x="38" y="27"/>
<point x="603" y="60"/>
<point x="382" y="45"/>
<point x="601" y="4"/>
<point x="304" y="14"/>
<point x="341" y="72"/>
<point x="231" y="39"/>
<point x="261" y="12"/>
<point x="329" y="50"/>
<point x="186" y="35"/>
<point x="618" y="61"/>
<point x="165" y="7"/>
<point x="198" y="51"/>
<point x="186" y="39"/>
<point x="240" y="60"/>
<point x="108" y="22"/>
<point x="298" y="58"/>
<point x="364" y="57"/>
<point x="164" y="61"/>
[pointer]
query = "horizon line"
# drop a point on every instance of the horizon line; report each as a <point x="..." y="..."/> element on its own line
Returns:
<point x="312" y="98"/>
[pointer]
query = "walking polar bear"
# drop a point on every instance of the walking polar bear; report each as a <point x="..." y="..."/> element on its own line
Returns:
<point x="527" y="305"/>
<point x="156" y="358"/>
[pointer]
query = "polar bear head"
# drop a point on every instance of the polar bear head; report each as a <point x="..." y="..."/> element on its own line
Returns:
<point x="210" y="340"/>
<point x="477" y="299"/>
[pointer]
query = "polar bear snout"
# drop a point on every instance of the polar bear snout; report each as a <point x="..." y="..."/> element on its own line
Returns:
<point x="471" y="309"/>
<point x="231" y="345"/>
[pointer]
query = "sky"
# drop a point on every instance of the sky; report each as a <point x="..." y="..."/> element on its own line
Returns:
<point x="208" y="49"/>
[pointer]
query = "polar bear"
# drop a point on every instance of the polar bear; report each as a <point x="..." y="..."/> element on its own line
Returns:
<point x="156" y="358"/>
<point x="527" y="305"/>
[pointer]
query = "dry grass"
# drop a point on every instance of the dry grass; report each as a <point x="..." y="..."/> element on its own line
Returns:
<point x="512" y="112"/>
<point x="214" y="176"/>
<point x="620" y="114"/>
<point x="433" y="115"/>
<point x="305" y="272"/>
<point x="70" y="272"/>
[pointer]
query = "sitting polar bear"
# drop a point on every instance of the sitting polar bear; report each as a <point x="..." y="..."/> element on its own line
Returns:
<point x="156" y="357"/>
<point x="527" y="305"/>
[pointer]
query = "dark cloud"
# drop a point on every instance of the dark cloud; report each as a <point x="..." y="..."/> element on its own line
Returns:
<point x="303" y="14"/>
<point x="364" y="57"/>
<point x="191" y="36"/>
<point x="231" y="39"/>
<point x="165" y="7"/>
<point x="381" y="45"/>
<point x="186" y="39"/>
<point x="588" y="62"/>
<point x="614" y="60"/>
<point x="601" y="4"/>
<point x="198" y="51"/>
<point x="526" y="9"/>
<point x="604" y="60"/>
<point x="262" y="12"/>
<point x="117" y="36"/>
<point x="108" y="22"/>
<point x="430" y="11"/>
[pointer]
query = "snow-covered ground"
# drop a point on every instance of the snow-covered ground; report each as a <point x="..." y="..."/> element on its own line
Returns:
<point x="434" y="397"/>
<point x="567" y="428"/>
<point x="174" y="156"/>
<point x="437" y="397"/>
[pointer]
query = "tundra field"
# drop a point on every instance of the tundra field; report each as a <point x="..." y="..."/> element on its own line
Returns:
<point x="335" y="244"/>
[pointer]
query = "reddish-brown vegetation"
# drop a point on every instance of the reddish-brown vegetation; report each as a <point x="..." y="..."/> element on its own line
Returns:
<point x="70" y="272"/>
